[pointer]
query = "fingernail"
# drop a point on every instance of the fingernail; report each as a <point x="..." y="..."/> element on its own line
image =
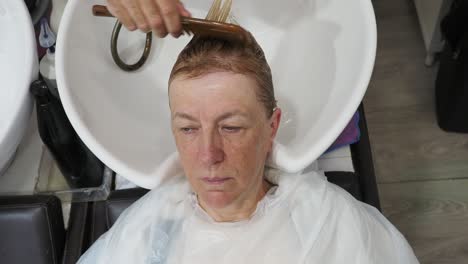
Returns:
<point x="143" y="27"/>
<point x="161" y="35"/>
<point x="176" y="34"/>
<point x="132" y="28"/>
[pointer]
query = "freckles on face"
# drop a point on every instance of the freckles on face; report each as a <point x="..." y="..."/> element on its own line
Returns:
<point x="221" y="133"/>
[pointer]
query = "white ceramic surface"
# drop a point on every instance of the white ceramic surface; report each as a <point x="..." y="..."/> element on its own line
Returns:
<point x="18" y="67"/>
<point x="321" y="53"/>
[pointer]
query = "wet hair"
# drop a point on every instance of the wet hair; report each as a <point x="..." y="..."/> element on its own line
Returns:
<point x="209" y="54"/>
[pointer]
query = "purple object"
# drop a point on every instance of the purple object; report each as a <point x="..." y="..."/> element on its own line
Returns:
<point x="351" y="134"/>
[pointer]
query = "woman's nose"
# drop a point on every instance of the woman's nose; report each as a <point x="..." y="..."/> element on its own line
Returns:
<point x="211" y="149"/>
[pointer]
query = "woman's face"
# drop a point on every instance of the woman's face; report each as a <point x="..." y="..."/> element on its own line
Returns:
<point x="223" y="136"/>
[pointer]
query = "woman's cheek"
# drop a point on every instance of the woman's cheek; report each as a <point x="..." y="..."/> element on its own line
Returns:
<point x="241" y="148"/>
<point x="186" y="145"/>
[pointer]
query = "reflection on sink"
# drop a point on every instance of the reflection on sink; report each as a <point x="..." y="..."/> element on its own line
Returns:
<point x="321" y="53"/>
<point x="18" y="67"/>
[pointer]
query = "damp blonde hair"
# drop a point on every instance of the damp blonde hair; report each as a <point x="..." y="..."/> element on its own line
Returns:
<point x="205" y="54"/>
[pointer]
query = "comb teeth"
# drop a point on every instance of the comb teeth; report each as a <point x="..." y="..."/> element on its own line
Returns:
<point x="225" y="10"/>
<point x="214" y="9"/>
<point x="196" y="26"/>
<point x="187" y="32"/>
<point x="219" y="10"/>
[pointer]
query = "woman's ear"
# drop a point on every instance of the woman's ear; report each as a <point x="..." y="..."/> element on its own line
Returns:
<point x="275" y="122"/>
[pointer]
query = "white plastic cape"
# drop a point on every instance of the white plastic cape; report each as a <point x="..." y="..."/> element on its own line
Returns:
<point x="304" y="219"/>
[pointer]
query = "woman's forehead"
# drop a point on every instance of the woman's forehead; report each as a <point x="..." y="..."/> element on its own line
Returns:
<point x="218" y="86"/>
<point x="225" y="78"/>
<point x="216" y="93"/>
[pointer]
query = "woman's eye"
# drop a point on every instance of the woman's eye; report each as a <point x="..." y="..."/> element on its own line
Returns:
<point x="231" y="129"/>
<point x="188" y="130"/>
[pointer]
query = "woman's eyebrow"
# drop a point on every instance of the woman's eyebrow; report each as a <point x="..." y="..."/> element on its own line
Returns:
<point x="221" y="117"/>
<point x="232" y="114"/>
<point x="184" y="116"/>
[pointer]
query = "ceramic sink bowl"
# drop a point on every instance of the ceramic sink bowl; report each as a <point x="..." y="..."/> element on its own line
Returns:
<point x="321" y="53"/>
<point x="18" y="68"/>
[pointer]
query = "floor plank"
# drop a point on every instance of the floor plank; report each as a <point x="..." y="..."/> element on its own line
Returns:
<point x="389" y="9"/>
<point x="408" y="145"/>
<point x="432" y="215"/>
<point x="400" y="77"/>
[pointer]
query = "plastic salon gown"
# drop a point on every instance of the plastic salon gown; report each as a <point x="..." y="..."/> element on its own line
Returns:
<point x="304" y="219"/>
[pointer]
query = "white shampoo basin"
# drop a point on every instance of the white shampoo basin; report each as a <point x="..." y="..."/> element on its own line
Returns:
<point x="18" y="68"/>
<point x="321" y="53"/>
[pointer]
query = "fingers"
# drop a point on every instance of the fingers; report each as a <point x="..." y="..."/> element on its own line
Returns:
<point x="171" y="16"/>
<point x="121" y="13"/>
<point x="133" y="9"/>
<point x="153" y="17"/>
<point x="161" y="16"/>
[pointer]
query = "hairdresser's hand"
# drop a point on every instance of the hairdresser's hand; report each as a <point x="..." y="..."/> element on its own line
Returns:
<point x="161" y="16"/>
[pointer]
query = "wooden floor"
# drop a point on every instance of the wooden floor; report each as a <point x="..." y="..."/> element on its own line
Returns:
<point x="422" y="172"/>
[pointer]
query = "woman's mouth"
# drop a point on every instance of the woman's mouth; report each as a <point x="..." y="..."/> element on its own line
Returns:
<point x="215" y="180"/>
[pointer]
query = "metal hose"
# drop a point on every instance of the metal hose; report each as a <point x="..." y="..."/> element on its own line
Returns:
<point x="115" y="53"/>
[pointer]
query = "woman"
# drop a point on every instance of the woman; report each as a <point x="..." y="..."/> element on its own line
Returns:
<point x="228" y="207"/>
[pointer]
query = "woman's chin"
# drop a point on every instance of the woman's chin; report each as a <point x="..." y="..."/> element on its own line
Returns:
<point x="216" y="199"/>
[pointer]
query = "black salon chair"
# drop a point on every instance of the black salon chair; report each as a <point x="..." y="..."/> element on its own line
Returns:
<point x="31" y="229"/>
